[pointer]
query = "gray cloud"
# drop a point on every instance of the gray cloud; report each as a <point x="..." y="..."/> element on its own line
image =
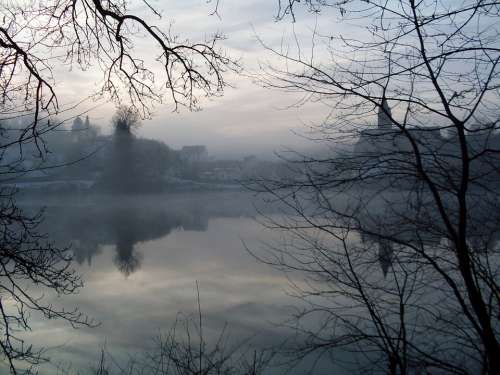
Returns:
<point x="248" y="119"/>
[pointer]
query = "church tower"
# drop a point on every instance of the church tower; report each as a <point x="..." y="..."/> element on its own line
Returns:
<point x="384" y="121"/>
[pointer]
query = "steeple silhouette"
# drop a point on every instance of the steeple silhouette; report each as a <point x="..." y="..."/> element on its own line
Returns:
<point x="384" y="113"/>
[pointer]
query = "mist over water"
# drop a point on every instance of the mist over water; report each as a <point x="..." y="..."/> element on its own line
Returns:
<point x="270" y="254"/>
<point x="140" y="257"/>
<point x="334" y="209"/>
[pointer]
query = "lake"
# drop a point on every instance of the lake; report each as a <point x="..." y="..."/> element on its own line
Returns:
<point x="141" y="257"/>
<point x="144" y="260"/>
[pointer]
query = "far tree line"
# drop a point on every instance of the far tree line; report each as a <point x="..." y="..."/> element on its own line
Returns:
<point x="77" y="154"/>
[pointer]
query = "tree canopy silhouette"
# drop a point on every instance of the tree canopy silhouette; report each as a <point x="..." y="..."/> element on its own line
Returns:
<point x="389" y="225"/>
<point x="37" y="38"/>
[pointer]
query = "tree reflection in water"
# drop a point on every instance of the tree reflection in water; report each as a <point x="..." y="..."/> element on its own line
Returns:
<point x="127" y="221"/>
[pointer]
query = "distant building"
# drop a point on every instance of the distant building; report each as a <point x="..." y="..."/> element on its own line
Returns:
<point x="387" y="139"/>
<point x="374" y="141"/>
<point x="384" y="116"/>
<point x="193" y="154"/>
<point x="386" y="150"/>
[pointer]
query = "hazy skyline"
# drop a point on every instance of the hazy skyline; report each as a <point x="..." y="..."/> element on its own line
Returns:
<point x="247" y="119"/>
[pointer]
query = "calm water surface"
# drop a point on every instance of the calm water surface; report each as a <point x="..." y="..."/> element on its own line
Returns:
<point x="140" y="258"/>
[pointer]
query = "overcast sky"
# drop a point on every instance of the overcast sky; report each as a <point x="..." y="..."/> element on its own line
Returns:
<point x="248" y="119"/>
